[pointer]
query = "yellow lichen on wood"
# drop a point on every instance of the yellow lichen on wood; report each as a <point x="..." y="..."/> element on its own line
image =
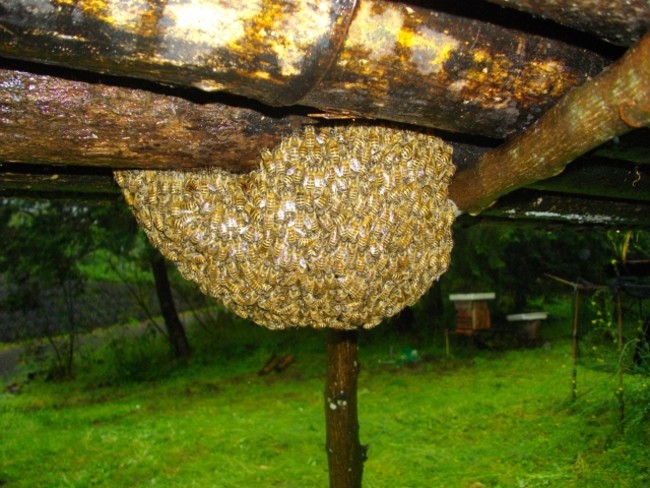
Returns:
<point x="494" y="80"/>
<point x="429" y="49"/>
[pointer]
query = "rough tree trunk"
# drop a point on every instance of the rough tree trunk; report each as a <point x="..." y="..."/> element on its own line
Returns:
<point x="175" y="331"/>
<point x="345" y="453"/>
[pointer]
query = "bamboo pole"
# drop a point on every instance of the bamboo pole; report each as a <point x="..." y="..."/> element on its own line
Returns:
<point x="610" y="105"/>
<point x="345" y="453"/>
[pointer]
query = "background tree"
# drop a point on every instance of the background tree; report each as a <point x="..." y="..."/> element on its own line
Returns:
<point x="44" y="243"/>
<point x="120" y="234"/>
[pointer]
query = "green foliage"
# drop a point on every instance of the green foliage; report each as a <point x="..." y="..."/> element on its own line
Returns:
<point x="515" y="261"/>
<point x="615" y="336"/>
<point x="124" y="358"/>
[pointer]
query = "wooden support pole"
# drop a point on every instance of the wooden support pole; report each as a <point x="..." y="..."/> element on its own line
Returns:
<point x="175" y="330"/>
<point x="620" y="389"/>
<point x="345" y="454"/>
<point x="574" y="342"/>
<point x="610" y="105"/>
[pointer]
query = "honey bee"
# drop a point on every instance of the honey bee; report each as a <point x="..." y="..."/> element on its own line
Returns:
<point x="349" y="232"/>
<point x="294" y="294"/>
<point x="197" y="259"/>
<point x="326" y="222"/>
<point x="363" y="238"/>
<point x="158" y="221"/>
<point x="223" y="251"/>
<point x="356" y="288"/>
<point x="333" y="151"/>
<point x="317" y="155"/>
<point x="196" y="236"/>
<point x="332" y="239"/>
<point x="374" y="140"/>
<point x="320" y="202"/>
<point x="277" y="249"/>
<point x="340" y="261"/>
<point x="269" y="164"/>
<point x="292" y="236"/>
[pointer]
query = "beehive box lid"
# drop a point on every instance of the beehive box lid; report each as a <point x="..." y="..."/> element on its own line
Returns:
<point x="527" y="316"/>
<point x="457" y="297"/>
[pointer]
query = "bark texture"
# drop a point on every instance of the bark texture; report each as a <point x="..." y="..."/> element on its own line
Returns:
<point x="612" y="104"/>
<point x="44" y="119"/>
<point x="345" y="454"/>
<point x="394" y="61"/>
<point x="621" y="22"/>
<point x="175" y="331"/>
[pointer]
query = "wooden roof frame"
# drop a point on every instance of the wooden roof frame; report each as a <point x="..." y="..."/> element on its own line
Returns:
<point x="98" y="84"/>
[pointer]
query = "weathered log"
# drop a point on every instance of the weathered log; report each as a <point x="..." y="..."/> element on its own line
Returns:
<point x="48" y="120"/>
<point x="114" y="126"/>
<point x="530" y="205"/>
<point x="614" y="103"/>
<point x="396" y="62"/>
<point x="345" y="454"/>
<point x="429" y="68"/>
<point x="621" y="22"/>
<point x="25" y="181"/>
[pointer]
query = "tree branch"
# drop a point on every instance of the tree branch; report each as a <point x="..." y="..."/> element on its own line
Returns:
<point x="612" y="104"/>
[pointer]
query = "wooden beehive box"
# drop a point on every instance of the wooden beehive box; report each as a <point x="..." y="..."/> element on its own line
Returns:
<point x="472" y="311"/>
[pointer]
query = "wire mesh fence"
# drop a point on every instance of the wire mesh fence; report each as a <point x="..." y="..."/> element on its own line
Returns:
<point x="82" y="307"/>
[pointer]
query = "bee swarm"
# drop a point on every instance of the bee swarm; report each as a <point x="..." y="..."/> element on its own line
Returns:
<point x="339" y="227"/>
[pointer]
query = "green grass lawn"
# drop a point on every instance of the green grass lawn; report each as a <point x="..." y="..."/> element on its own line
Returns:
<point x="478" y="419"/>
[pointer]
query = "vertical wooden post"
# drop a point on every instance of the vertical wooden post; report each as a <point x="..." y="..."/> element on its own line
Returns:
<point x="620" y="390"/>
<point x="345" y="454"/>
<point x="447" y="352"/>
<point x="574" y="371"/>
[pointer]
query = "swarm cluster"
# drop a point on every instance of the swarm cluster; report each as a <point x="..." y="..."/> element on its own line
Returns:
<point x="339" y="227"/>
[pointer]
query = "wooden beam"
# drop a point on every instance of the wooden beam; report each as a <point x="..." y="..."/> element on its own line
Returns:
<point x="621" y="22"/>
<point x="602" y="178"/>
<point x="612" y="104"/>
<point x="529" y="205"/>
<point x="58" y="182"/>
<point x="49" y="120"/>
<point x="383" y="60"/>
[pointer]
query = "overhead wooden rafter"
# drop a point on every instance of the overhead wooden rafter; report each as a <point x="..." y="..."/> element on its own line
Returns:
<point x="621" y="22"/>
<point x="381" y="59"/>
<point x="459" y="70"/>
